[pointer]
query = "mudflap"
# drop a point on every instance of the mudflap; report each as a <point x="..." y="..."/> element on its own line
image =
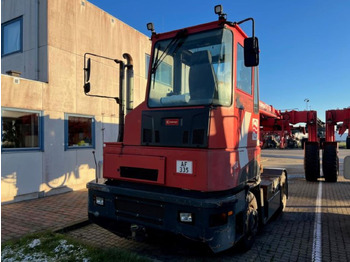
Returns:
<point x="214" y="219"/>
<point x="273" y="193"/>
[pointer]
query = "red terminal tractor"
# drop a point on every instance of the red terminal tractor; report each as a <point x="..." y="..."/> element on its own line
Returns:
<point x="187" y="160"/>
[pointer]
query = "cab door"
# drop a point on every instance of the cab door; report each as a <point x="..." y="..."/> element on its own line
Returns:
<point x="247" y="114"/>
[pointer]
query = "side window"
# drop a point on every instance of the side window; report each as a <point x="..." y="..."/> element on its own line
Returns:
<point x="79" y="131"/>
<point x="20" y="129"/>
<point x="256" y="90"/>
<point x="147" y="65"/>
<point x="11" y="32"/>
<point x="244" y="74"/>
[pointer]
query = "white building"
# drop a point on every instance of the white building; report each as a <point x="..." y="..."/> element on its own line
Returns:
<point x="49" y="127"/>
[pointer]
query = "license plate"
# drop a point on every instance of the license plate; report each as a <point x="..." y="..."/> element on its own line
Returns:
<point x="184" y="167"/>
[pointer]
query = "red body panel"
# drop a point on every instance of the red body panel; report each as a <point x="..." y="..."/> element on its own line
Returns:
<point x="334" y="116"/>
<point x="132" y="129"/>
<point x="213" y="170"/>
<point x="268" y="110"/>
<point x="114" y="163"/>
<point x="220" y="130"/>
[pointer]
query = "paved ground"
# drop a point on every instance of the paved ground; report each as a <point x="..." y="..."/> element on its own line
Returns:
<point x="296" y="235"/>
<point x="308" y="230"/>
<point x="49" y="213"/>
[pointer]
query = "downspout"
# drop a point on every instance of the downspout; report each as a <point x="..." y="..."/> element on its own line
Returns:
<point x="38" y="41"/>
<point x="129" y="82"/>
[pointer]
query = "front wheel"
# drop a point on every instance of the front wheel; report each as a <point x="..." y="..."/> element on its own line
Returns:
<point x="251" y="222"/>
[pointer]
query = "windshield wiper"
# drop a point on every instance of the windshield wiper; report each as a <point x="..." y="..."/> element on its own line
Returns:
<point x="175" y="42"/>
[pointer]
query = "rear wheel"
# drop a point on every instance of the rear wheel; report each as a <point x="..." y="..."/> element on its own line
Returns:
<point x="330" y="161"/>
<point x="251" y="222"/>
<point x="312" y="161"/>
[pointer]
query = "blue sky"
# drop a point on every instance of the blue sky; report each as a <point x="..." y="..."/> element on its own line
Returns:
<point x="305" y="45"/>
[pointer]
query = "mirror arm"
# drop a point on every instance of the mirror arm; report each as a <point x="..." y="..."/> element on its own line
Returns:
<point x="243" y="21"/>
<point x="117" y="100"/>
<point x="104" y="57"/>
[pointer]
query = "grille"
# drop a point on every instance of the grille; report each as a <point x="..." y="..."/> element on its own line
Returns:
<point x="156" y="136"/>
<point x="139" y="209"/>
<point x="198" y="136"/>
<point x="175" y="127"/>
<point x="147" y="135"/>
<point x="185" y="137"/>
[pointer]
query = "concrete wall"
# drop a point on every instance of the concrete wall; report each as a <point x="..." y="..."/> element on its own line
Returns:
<point x="74" y="27"/>
<point x="32" y="62"/>
<point x="26" y="175"/>
<point x="21" y="172"/>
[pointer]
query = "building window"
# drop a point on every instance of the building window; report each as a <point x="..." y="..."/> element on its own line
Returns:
<point x="80" y="131"/>
<point x="21" y="129"/>
<point x="12" y="32"/>
<point x="164" y="73"/>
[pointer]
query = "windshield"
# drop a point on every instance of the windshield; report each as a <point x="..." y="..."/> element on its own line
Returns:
<point x="192" y="70"/>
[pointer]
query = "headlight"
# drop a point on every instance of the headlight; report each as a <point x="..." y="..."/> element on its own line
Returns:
<point x="99" y="201"/>
<point x="186" y="217"/>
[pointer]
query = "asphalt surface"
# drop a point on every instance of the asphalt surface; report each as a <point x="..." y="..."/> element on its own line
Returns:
<point x="315" y="225"/>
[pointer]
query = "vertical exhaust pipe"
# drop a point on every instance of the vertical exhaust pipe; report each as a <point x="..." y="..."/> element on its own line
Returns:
<point x="129" y="82"/>
<point x="121" y="99"/>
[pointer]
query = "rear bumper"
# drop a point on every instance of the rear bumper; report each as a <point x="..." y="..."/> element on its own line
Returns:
<point x="214" y="216"/>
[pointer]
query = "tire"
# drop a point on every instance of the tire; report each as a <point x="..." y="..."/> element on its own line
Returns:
<point x="312" y="161"/>
<point x="322" y="140"/>
<point x="348" y="142"/>
<point x="251" y="222"/>
<point x="303" y="141"/>
<point x="330" y="161"/>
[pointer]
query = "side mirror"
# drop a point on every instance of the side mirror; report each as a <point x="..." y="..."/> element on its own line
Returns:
<point x="347" y="167"/>
<point x="87" y="87"/>
<point x="87" y="76"/>
<point x="87" y="71"/>
<point x="251" y="52"/>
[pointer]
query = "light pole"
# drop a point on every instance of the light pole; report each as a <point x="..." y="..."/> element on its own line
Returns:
<point x="306" y="100"/>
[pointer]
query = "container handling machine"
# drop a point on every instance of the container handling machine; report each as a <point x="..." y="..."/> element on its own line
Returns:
<point x="187" y="160"/>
